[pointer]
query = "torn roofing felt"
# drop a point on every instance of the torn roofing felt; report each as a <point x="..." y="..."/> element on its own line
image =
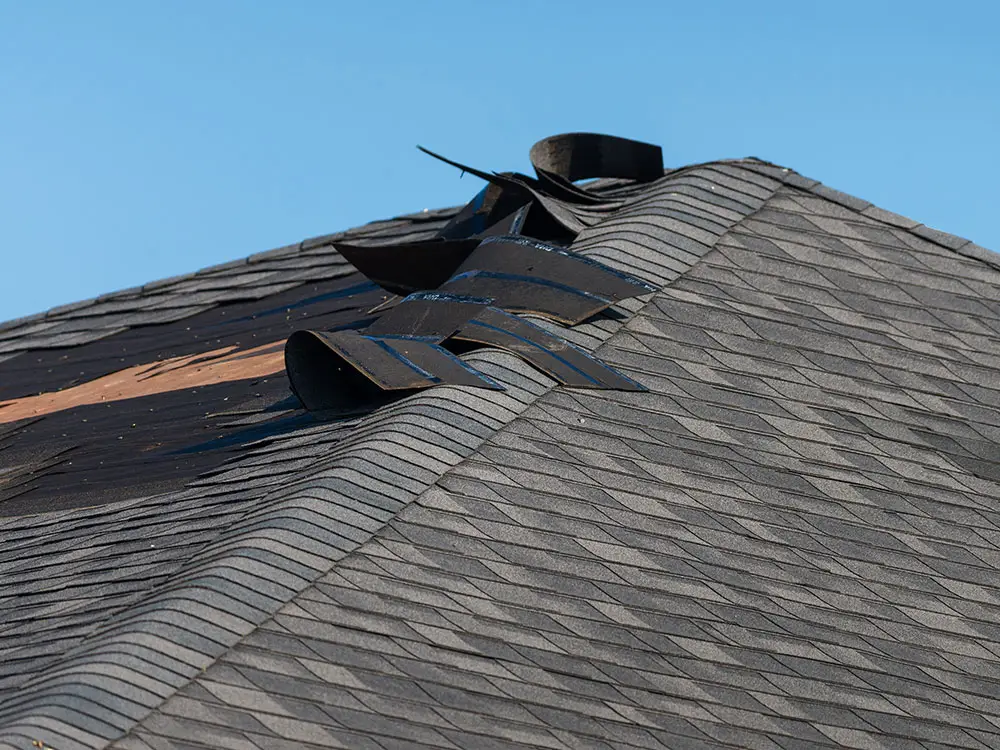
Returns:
<point x="789" y="540"/>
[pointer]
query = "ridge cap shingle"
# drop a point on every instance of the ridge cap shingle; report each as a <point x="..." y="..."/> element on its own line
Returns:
<point x="953" y="242"/>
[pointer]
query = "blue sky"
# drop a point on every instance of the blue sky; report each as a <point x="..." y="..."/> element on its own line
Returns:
<point x="143" y="140"/>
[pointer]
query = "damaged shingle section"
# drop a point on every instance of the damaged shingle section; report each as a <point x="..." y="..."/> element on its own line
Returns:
<point x="785" y="543"/>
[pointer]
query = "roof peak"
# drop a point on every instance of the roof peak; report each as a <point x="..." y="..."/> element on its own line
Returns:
<point x="429" y="217"/>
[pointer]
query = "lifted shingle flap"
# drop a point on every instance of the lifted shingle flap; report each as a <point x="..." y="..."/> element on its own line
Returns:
<point x="410" y="266"/>
<point x="522" y="274"/>
<point x="583" y="156"/>
<point x="344" y="372"/>
<point x="552" y="355"/>
<point x="560" y="207"/>
<point x="434" y="314"/>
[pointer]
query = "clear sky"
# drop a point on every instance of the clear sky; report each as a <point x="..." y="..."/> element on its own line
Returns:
<point x="146" y="139"/>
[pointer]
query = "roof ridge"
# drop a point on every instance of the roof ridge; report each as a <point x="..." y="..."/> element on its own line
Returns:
<point x="786" y="175"/>
<point x="952" y="242"/>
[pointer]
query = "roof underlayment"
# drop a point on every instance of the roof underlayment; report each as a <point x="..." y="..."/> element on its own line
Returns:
<point x="789" y="540"/>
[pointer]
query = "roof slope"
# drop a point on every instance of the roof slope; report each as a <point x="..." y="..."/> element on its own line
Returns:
<point x="788" y="541"/>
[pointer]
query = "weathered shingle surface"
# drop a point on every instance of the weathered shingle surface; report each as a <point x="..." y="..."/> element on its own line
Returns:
<point x="790" y="541"/>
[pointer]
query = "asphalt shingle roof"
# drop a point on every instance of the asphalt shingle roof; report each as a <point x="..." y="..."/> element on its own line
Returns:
<point x="791" y="540"/>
